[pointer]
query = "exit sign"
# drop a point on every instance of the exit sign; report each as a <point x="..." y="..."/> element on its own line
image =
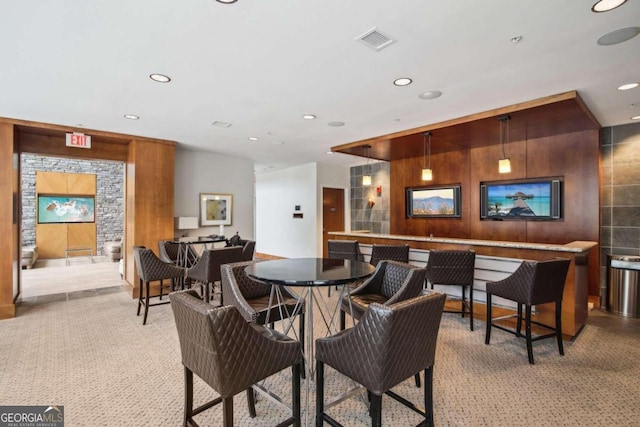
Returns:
<point x="78" y="140"/>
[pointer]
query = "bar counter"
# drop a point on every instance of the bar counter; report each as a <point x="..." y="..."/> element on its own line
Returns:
<point x="494" y="253"/>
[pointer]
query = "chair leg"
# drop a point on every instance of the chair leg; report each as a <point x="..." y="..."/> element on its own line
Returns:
<point x="296" y="371"/>
<point x="471" y="308"/>
<point x="227" y="411"/>
<point x="428" y="395"/>
<point x="463" y="303"/>
<point x="301" y="334"/>
<point x="161" y="289"/>
<point x="528" y="332"/>
<point x="417" y="378"/>
<point x="251" y="402"/>
<point x="146" y="303"/>
<point x="376" y="410"/>
<point x="487" y="334"/>
<point x="342" y="320"/>
<point x="188" y="397"/>
<point x="519" y="320"/>
<point x="559" y="326"/>
<point x="319" y="393"/>
<point x="140" y="284"/>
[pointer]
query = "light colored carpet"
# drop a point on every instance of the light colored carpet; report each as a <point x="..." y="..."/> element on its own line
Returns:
<point x="93" y="356"/>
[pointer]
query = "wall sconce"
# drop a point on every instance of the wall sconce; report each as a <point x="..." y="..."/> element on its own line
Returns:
<point x="366" y="177"/>
<point x="371" y="203"/>
<point x="504" y="164"/>
<point x="427" y="173"/>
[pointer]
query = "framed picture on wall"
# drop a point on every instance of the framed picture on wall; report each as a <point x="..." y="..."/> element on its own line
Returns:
<point x="215" y="209"/>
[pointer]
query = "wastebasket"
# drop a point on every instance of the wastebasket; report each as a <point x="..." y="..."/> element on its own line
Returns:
<point x="623" y="285"/>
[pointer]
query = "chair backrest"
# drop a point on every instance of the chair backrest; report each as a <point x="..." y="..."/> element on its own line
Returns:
<point x="398" y="253"/>
<point x="248" y="249"/>
<point x="168" y="250"/>
<point x="151" y="268"/>
<point x="393" y="342"/>
<point x="208" y="267"/>
<point x="235" y="275"/>
<point x="547" y="279"/>
<point x="400" y="276"/>
<point x="451" y="267"/>
<point x="344" y="249"/>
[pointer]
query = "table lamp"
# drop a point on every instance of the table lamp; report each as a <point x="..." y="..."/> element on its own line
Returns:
<point x="186" y="223"/>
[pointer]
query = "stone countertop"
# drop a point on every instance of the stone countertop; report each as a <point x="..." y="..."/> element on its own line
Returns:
<point x="575" y="247"/>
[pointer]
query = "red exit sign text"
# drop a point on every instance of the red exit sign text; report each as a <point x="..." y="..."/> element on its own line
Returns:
<point x="78" y="140"/>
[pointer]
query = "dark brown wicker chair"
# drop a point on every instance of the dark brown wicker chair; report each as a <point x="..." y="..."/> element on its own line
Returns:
<point x="230" y="366"/>
<point x="393" y="342"/>
<point x="248" y="249"/>
<point x="168" y="251"/>
<point x="343" y="249"/>
<point x="531" y="284"/>
<point x="152" y="269"/>
<point x="391" y="282"/>
<point x="251" y="297"/>
<point x="398" y="253"/>
<point x="207" y="269"/>
<point x="454" y="268"/>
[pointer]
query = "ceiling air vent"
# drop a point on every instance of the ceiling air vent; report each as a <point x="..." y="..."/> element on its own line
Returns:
<point x="375" y="39"/>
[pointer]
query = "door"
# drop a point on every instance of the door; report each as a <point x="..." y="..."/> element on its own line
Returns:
<point x="332" y="214"/>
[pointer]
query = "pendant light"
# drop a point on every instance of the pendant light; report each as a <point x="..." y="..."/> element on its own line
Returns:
<point x="504" y="164"/>
<point x="366" y="177"/>
<point x="427" y="173"/>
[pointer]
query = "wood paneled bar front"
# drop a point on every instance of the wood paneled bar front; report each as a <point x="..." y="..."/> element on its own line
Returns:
<point x="575" y="298"/>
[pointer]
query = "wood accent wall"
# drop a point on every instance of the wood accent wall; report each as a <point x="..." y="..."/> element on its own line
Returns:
<point x="53" y="239"/>
<point x="150" y="173"/>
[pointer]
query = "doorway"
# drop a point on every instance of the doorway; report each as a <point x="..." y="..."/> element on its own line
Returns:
<point x="332" y="214"/>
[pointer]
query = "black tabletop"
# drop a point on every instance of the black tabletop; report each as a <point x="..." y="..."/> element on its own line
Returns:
<point x="199" y="239"/>
<point x="309" y="271"/>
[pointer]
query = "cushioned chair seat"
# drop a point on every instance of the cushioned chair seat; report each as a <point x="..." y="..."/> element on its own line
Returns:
<point x="112" y="250"/>
<point x="29" y="256"/>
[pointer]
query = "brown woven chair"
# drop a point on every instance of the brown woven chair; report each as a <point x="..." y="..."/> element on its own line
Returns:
<point x="152" y="269"/>
<point x="168" y="252"/>
<point x="251" y="297"/>
<point x="398" y="253"/>
<point x="392" y="343"/>
<point x="454" y="268"/>
<point x="343" y="249"/>
<point x="230" y="355"/>
<point x="391" y="282"/>
<point x="531" y="284"/>
<point x="207" y="269"/>
<point x="248" y="249"/>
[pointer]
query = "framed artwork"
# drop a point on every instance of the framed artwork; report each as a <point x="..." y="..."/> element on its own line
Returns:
<point x="215" y="209"/>
<point x="65" y="208"/>
<point x="433" y="202"/>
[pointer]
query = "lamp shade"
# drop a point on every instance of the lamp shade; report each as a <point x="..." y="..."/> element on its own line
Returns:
<point x="186" y="222"/>
<point x="366" y="179"/>
<point x="504" y="166"/>
<point x="427" y="174"/>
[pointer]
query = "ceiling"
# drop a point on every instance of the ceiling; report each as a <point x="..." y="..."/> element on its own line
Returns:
<point x="260" y="65"/>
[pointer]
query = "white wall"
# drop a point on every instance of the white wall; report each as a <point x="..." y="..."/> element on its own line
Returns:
<point x="205" y="172"/>
<point x="277" y="194"/>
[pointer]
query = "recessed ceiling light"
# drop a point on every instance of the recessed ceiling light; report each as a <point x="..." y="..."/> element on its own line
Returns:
<point x="336" y="124"/>
<point x="308" y="116"/>
<point x="226" y="1"/>
<point x="606" y="5"/>
<point x="402" y="81"/>
<point x="131" y="117"/>
<point x="635" y="118"/>
<point x="628" y="86"/>
<point x="161" y="78"/>
<point x="431" y="94"/>
<point x="253" y="138"/>
<point x="329" y="152"/>
<point x="516" y="39"/>
<point x="618" y="36"/>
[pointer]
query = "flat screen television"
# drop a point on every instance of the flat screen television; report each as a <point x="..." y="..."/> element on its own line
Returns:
<point x="65" y="208"/>
<point x="432" y="202"/>
<point x="531" y="199"/>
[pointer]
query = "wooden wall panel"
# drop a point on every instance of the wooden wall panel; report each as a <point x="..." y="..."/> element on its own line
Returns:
<point x="51" y="182"/>
<point x="8" y="224"/>
<point x="81" y="183"/>
<point x="51" y="240"/>
<point x="82" y="235"/>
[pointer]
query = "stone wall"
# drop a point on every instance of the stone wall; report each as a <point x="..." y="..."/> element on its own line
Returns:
<point x="363" y="216"/>
<point x="619" y="194"/>
<point x="109" y="210"/>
